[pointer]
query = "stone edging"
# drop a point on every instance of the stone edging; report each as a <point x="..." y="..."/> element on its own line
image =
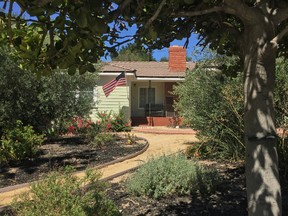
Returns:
<point x="118" y="160"/>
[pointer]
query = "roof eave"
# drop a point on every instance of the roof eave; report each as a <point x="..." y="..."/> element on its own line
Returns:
<point x="161" y="78"/>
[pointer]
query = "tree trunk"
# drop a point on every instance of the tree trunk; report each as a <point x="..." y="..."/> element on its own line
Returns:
<point x="262" y="177"/>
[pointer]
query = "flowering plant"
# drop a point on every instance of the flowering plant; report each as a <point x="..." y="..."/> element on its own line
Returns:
<point x="112" y="122"/>
<point x="79" y="125"/>
<point x="196" y="150"/>
<point x="106" y="122"/>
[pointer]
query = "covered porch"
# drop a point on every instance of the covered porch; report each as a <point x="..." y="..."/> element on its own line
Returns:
<point x="152" y="104"/>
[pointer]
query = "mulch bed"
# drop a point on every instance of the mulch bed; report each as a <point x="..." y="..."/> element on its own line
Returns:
<point x="229" y="199"/>
<point x="72" y="151"/>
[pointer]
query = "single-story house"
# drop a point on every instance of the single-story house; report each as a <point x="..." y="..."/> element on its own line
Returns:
<point x="146" y="98"/>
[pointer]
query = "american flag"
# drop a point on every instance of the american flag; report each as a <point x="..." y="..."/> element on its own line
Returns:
<point x="110" y="86"/>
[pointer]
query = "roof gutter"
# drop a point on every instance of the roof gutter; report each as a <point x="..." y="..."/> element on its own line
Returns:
<point x="116" y="73"/>
<point x="144" y="78"/>
<point x="161" y="78"/>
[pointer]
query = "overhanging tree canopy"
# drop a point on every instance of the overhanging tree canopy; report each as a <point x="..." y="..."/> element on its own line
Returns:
<point x="253" y="29"/>
<point x="132" y="52"/>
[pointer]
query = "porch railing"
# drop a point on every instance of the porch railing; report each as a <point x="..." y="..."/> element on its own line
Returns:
<point x="159" y="110"/>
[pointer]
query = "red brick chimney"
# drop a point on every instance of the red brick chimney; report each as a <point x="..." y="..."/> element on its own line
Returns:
<point x="177" y="59"/>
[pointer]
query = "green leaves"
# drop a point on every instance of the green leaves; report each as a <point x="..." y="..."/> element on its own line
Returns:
<point x="153" y="33"/>
<point x="82" y="19"/>
<point x="212" y="104"/>
<point x="62" y="193"/>
<point x="87" y="43"/>
<point x="65" y="34"/>
<point x="72" y="70"/>
<point x="35" y="11"/>
<point x="90" y="68"/>
<point x="99" y="26"/>
<point x="132" y="52"/>
<point x="189" y="1"/>
<point x="43" y="99"/>
<point x="59" y="22"/>
<point x="19" y="142"/>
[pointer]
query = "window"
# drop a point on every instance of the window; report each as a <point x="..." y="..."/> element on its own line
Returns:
<point x="146" y="96"/>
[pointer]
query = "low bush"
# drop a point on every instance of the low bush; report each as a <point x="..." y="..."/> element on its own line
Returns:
<point x="131" y="138"/>
<point x="96" y="132"/>
<point x="79" y="125"/>
<point x="19" y="143"/>
<point x="119" y="123"/>
<point x="102" y="139"/>
<point x="108" y="121"/>
<point x="63" y="194"/>
<point x="169" y="175"/>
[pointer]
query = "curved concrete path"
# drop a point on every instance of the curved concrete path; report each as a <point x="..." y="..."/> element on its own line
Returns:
<point x="159" y="144"/>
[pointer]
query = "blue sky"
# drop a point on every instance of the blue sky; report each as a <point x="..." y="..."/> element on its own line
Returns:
<point x="158" y="54"/>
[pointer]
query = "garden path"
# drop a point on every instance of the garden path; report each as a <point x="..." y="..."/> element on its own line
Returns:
<point x="161" y="141"/>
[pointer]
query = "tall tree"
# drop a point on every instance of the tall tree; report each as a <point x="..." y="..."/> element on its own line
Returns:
<point x="252" y="29"/>
<point x="132" y="52"/>
<point x="164" y="59"/>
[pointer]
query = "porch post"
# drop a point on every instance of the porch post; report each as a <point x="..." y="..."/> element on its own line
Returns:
<point x="149" y="103"/>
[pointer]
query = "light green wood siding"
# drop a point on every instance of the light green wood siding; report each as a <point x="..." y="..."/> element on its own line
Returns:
<point x="116" y="101"/>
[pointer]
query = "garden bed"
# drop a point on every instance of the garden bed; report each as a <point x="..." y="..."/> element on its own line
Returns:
<point x="72" y="151"/>
<point x="228" y="199"/>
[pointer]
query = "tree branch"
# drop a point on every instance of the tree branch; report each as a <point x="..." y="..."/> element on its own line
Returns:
<point x="233" y="7"/>
<point x="241" y="10"/>
<point x="198" y="13"/>
<point x="9" y="23"/>
<point x="41" y="42"/>
<point x="120" y="43"/>
<point x="122" y="7"/>
<point x="42" y="3"/>
<point x="156" y="14"/>
<point x="216" y="9"/>
<point x="275" y="41"/>
<point x="281" y="15"/>
<point x="5" y="5"/>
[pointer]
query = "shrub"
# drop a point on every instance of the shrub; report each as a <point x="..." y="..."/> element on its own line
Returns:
<point x="79" y="125"/>
<point x="168" y="175"/>
<point x="62" y="194"/>
<point x="131" y="138"/>
<point x="19" y="143"/>
<point x="212" y="103"/>
<point x="104" y="121"/>
<point x="102" y="139"/>
<point x="107" y="121"/>
<point x="119" y="123"/>
<point x="38" y="101"/>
